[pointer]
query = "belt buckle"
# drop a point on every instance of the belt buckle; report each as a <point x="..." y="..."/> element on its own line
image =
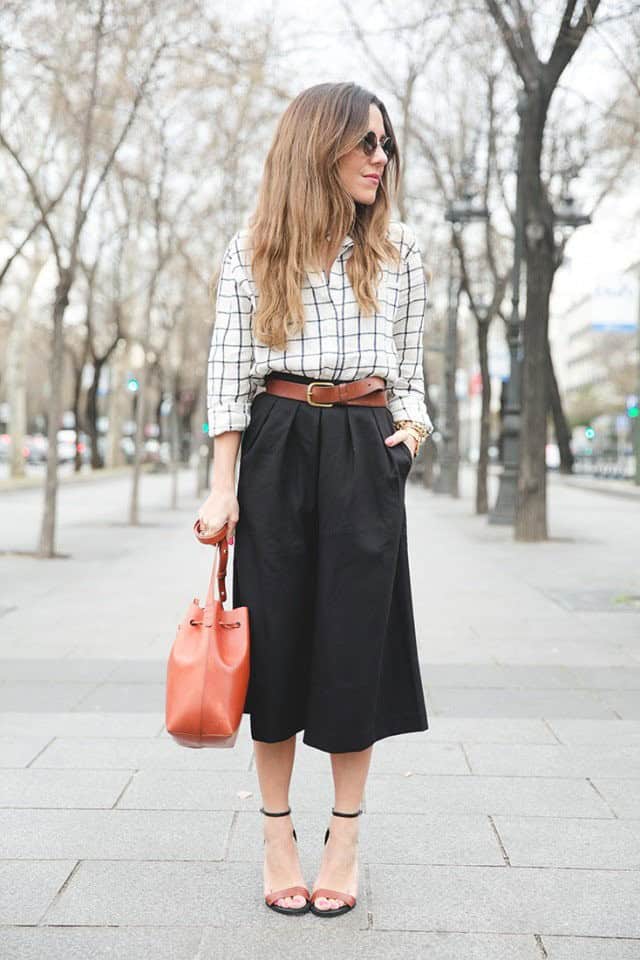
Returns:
<point x="314" y="383"/>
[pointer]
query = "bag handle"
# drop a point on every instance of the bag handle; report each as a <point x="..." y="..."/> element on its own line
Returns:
<point x="219" y="538"/>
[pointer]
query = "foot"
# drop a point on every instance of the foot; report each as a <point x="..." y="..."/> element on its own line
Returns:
<point x="339" y="867"/>
<point x="281" y="862"/>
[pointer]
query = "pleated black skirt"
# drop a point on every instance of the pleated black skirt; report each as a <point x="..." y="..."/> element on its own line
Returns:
<point x="321" y="561"/>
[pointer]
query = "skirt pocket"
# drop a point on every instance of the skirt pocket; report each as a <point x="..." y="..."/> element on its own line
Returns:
<point x="261" y="407"/>
<point x="400" y="454"/>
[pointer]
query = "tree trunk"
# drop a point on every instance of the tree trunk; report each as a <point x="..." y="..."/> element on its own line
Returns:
<point x="116" y="404"/>
<point x="75" y="406"/>
<point x="97" y="461"/>
<point x="482" y="499"/>
<point x="56" y="377"/>
<point x="560" y="425"/>
<point x="531" y="505"/>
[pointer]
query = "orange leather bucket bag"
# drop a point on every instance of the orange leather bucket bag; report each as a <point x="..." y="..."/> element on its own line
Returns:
<point x="208" y="667"/>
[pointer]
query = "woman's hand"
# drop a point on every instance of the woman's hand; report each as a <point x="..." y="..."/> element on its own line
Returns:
<point x="402" y="436"/>
<point x="220" y="507"/>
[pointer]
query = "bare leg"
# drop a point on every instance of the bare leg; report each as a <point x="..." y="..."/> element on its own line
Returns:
<point x="274" y="764"/>
<point x="339" y="867"/>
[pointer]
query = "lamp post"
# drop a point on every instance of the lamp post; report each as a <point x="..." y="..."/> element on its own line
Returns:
<point x="458" y="213"/>
<point x="504" y="511"/>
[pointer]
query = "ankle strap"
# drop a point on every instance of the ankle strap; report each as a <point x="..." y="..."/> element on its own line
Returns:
<point x="337" y="813"/>
<point x="283" y="813"/>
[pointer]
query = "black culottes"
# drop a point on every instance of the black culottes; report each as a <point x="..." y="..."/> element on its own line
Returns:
<point x="320" y="559"/>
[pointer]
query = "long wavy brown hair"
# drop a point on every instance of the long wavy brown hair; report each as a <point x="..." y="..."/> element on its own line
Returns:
<point x="301" y="198"/>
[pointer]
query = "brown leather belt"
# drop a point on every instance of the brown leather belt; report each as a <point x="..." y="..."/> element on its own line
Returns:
<point x="369" y="391"/>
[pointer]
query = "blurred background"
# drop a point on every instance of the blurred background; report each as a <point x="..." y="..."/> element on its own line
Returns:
<point x="132" y="137"/>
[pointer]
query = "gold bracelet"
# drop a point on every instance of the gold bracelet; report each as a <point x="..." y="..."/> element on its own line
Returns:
<point x="416" y="429"/>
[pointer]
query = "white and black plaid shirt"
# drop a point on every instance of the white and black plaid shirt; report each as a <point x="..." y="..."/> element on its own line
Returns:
<point x="337" y="341"/>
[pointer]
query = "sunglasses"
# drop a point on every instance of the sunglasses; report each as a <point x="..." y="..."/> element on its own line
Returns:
<point x="370" y="141"/>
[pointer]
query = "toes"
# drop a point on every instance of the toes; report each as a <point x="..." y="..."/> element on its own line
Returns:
<point x="328" y="904"/>
<point x="296" y="901"/>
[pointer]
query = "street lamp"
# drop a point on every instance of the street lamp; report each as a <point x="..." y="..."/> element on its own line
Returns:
<point x="504" y="510"/>
<point x="459" y="212"/>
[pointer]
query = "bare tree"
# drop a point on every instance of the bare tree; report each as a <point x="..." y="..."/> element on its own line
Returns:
<point x="540" y="79"/>
<point x="66" y="249"/>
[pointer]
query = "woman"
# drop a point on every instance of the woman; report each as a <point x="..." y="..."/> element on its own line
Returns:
<point x="322" y="288"/>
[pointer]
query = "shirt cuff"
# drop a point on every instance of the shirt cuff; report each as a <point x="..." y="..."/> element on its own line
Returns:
<point x="408" y="407"/>
<point x="229" y="417"/>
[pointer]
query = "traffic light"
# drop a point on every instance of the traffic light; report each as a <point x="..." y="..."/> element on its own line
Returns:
<point x="632" y="407"/>
<point x="132" y="384"/>
<point x="589" y="433"/>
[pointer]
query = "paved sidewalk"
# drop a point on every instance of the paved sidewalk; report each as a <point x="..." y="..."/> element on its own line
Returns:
<point x="510" y="830"/>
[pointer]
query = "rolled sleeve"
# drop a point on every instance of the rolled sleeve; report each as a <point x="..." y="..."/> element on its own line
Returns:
<point x="406" y="396"/>
<point x="230" y="387"/>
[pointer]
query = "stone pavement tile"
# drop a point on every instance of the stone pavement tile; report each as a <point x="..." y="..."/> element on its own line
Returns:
<point x="208" y="790"/>
<point x="563" y="842"/>
<point x="56" y="670"/>
<point x="128" y="697"/>
<point x="469" y="675"/>
<point x="591" y="948"/>
<point x="384" y="838"/>
<point x="27" y="887"/>
<point x="19" y="751"/>
<point x="315" y="942"/>
<point x="602" y="903"/>
<point x="147" y="648"/>
<point x="537" y="760"/>
<point x="113" y="834"/>
<point x="492" y="702"/>
<point x="556" y="648"/>
<point x="526" y="630"/>
<point x="42" y="696"/>
<point x="522" y="796"/>
<point x="62" y="788"/>
<point x="623" y="624"/>
<point x="458" y="647"/>
<point x="623" y="796"/>
<point x="392" y="755"/>
<point x="570" y="730"/>
<point x="81" y="724"/>
<point x="487" y="730"/>
<point x="138" y="753"/>
<point x="140" y="671"/>
<point x="128" y="893"/>
<point x="108" y="943"/>
<point x="625" y="703"/>
<point x="607" y="678"/>
<point x="24" y="647"/>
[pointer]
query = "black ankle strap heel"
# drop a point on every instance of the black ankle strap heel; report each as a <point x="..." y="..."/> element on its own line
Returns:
<point x="288" y="891"/>
<point x="280" y="813"/>
<point x="349" y="901"/>
<point x="338" y="813"/>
